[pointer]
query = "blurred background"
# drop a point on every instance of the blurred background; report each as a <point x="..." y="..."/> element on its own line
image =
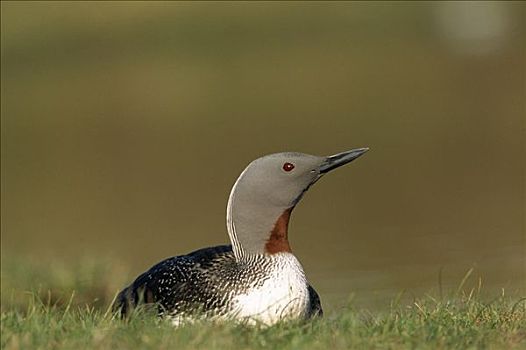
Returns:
<point x="125" y="124"/>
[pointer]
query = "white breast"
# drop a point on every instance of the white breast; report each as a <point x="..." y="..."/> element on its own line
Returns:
<point x="283" y="296"/>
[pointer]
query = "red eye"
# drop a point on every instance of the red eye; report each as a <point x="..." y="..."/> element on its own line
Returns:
<point x="288" y="167"/>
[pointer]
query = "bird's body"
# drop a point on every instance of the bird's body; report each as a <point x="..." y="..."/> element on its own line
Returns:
<point x="211" y="283"/>
<point x="257" y="279"/>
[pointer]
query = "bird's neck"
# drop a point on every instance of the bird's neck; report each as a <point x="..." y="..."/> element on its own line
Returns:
<point x="255" y="227"/>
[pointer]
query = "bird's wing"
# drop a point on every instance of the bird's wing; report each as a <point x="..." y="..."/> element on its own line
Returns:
<point x="315" y="303"/>
<point x="172" y="283"/>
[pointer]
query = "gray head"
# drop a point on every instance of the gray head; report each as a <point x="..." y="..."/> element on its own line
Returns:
<point x="265" y="193"/>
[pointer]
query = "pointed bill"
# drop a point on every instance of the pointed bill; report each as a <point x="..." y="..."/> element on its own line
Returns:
<point x="337" y="160"/>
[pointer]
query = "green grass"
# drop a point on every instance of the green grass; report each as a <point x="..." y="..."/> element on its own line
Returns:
<point x="69" y="309"/>
<point x="462" y="323"/>
<point x="426" y="324"/>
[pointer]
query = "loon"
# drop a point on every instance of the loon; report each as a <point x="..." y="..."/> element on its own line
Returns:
<point x="256" y="279"/>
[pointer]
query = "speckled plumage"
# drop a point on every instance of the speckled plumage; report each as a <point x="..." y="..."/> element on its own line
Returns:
<point x="206" y="282"/>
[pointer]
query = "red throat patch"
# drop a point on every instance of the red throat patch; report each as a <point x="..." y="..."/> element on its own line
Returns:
<point x="278" y="241"/>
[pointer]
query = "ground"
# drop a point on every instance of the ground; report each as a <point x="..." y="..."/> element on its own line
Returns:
<point x="462" y="319"/>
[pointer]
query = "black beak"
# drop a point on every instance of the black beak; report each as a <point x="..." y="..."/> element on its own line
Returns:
<point x="340" y="159"/>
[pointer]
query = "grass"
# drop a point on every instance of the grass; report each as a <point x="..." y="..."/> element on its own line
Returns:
<point x="465" y="323"/>
<point x="50" y="320"/>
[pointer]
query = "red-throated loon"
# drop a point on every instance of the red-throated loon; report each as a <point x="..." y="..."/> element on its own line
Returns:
<point x="256" y="279"/>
